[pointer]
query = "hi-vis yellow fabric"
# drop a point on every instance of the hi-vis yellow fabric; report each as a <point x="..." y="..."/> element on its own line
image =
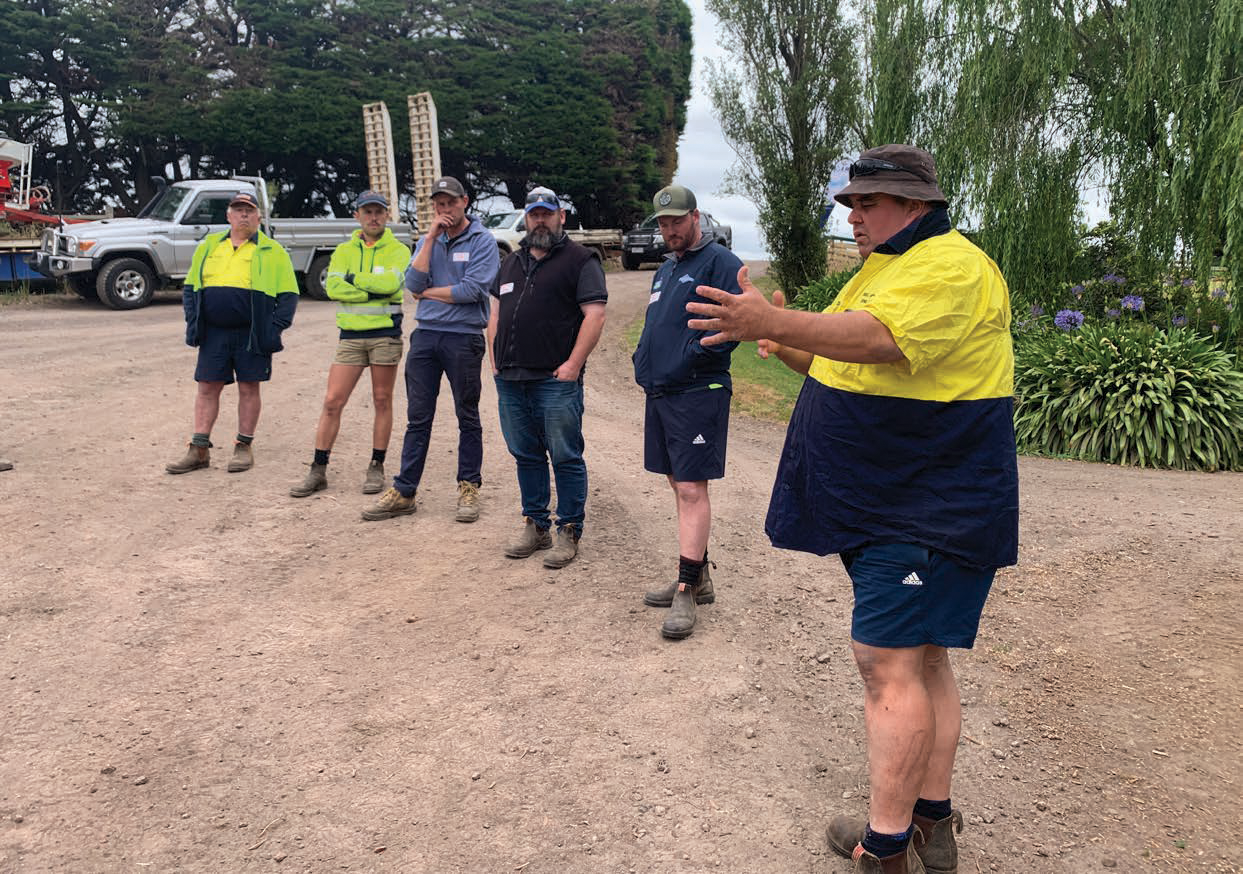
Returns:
<point x="948" y="309"/>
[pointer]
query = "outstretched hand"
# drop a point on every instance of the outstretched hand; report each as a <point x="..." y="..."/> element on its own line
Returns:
<point x="766" y="347"/>
<point x="732" y="316"/>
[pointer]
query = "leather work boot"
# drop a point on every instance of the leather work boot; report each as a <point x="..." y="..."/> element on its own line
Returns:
<point x="316" y="480"/>
<point x="243" y="458"/>
<point x="564" y="548"/>
<point x="531" y="538"/>
<point x="467" y="501"/>
<point x="664" y="597"/>
<point x="680" y="620"/>
<point x="938" y="848"/>
<point x="906" y="862"/>
<point x="392" y="503"/>
<point x="196" y="457"/>
<point x="934" y="840"/>
<point x="374" y="483"/>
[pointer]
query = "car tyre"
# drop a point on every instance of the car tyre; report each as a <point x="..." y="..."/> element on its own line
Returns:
<point x="630" y="262"/>
<point x="316" y="280"/>
<point x="83" y="285"/>
<point x="125" y="284"/>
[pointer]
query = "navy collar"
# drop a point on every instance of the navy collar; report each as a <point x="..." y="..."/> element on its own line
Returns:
<point x="931" y="224"/>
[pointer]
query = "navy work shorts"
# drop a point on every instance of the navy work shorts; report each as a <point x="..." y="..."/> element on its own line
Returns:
<point x="223" y="353"/>
<point x="684" y="435"/>
<point x="908" y="595"/>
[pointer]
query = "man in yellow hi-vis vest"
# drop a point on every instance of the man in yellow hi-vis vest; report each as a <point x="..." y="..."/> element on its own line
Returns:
<point x="365" y="278"/>
<point x="239" y="296"/>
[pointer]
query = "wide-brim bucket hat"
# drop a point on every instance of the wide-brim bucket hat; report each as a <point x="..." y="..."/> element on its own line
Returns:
<point x="897" y="170"/>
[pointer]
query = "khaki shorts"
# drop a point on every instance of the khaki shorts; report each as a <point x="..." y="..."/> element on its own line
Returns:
<point x="384" y="351"/>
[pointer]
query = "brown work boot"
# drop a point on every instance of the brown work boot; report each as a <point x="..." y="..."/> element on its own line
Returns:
<point x="374" y="482"/>
<point x="467" y="501"/>
<point x="664" y="597"/>
<point x="564" y="548"/>
<point x="392" y="503"/>
<point x="243" y="458"/>
<point x="531" y="538"/>
<point x="938" y="848"/>
<point x="906" y="862"/>
<point x="196" y="457"/>
<point x="316" y="480"/>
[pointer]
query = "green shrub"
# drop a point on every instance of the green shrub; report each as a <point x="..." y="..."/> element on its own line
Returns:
<point x="1129" y="393"/>
<point x="815" y="297"/>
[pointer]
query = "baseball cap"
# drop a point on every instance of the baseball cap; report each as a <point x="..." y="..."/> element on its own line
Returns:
<point x="246" y="197"/>
<point x="447" y="185"/>
<point x="542" y="198"/>
<point x="370" y="197"/>
<point x="673" y="200"/>
<point x="897" y="170"/>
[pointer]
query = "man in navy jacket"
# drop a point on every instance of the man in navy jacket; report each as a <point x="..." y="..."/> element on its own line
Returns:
<point x="686" y="422"/>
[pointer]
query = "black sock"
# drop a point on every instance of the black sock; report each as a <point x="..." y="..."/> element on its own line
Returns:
<point x="321" y="456"/>
<point x="202" y="441"/>
<point x="883" y="846"/>
<point x="245" y="438"/>
<point x="377" y="455"/>
<point x="689" y="570"/>
<point x="934" y="810"/>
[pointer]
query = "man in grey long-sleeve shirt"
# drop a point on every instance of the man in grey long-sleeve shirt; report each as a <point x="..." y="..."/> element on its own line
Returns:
<point x="452" y="271"/>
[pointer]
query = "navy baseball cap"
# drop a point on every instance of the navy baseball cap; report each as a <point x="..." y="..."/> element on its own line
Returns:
<point x="370" y="197"/>
<point x="246" y="197"/>
<point x="542" y="198"/>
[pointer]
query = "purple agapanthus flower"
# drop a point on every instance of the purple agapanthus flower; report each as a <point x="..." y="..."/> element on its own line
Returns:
<point x="1077" y="290"/>
<point x="1133" y="302"/>
<point x="1068" y="320"/>
<point x="1217" y="293"/>
<point x="1037" y="310"/>
<point x="1114" y="278"/>
<point x="1180" y="321"/>
<point x="1113" y="314"/>
<point x="1187" y="283"/>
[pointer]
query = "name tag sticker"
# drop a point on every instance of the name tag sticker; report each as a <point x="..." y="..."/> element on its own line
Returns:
<point x="507" y="288"/>
<point x="377" y="269"/>
<point x="655" y="297"/>
<point x="461" y="256"/>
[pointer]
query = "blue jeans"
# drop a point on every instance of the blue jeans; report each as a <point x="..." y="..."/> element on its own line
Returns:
<point x="459" y="357"/>
<point x="543" y="419"/>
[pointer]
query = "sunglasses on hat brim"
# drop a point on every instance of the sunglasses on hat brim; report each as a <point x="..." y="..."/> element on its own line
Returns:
<point x="871" y="166"/>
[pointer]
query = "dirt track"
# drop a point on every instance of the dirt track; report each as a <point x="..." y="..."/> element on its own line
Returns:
<point x="202" y="674"/>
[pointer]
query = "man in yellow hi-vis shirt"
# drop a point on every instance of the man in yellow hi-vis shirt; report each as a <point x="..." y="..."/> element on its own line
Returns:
<point x="900" y="458"/>
<point x="239" y="296"/>
<point x="366" y="278"/>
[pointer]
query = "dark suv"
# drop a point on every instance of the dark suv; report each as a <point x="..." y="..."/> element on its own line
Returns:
<point x="643" y="243"/>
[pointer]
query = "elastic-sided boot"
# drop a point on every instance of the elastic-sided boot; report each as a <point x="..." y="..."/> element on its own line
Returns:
<point x="564" y="548"/>
<point x="906" y="862"/>
<point x="530" y="539"/>
<point x="680" y="620"/>
<point x="938" y="848"/>
<point x="196" y="458"/>
<point x="373" y="484"/>
<point x="316" y="480"/>
<point x="243" y="458"/>
<point x="703" y="591"/>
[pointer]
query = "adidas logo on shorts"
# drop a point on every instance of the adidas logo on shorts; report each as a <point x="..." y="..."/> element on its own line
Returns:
<point x="912" y="579"/>
<point x="699" y="440"/>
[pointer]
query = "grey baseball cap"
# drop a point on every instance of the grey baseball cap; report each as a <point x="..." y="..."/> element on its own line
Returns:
<point x="673" y="200"/>
<point x="370" y="197"/>
<point x="447" y="185"/>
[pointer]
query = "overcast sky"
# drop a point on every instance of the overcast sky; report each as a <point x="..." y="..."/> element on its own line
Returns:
<point x="704" y="156"/>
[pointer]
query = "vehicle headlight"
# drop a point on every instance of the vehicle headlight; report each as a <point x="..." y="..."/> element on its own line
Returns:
<point x="74" y="246"/>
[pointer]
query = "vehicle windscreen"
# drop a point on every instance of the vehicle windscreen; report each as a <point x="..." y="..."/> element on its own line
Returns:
<point x="500" y="219"/>
<point x="649" y="223"/>
<point x="165" y="209"/>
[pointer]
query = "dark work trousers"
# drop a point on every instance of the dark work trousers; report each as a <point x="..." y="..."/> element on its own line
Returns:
<point x="460" y="358"/>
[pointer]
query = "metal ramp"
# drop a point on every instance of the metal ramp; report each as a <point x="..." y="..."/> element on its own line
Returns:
<point x="424" y="152"/>
<point x="378" y="140"/>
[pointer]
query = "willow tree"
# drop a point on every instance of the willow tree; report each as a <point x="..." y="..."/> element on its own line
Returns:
<point x="1141" y="99"/>
<point x="785" y="99"/>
